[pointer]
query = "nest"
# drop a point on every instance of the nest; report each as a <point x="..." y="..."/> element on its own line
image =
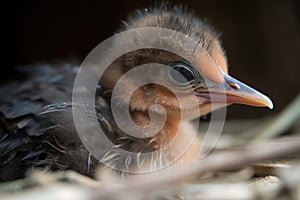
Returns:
<point x="260" y="163"/>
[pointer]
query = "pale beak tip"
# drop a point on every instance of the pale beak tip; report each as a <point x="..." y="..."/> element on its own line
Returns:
<point x="270" y="104"/>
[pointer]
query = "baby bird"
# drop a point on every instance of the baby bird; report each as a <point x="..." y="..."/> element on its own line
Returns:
<point x="37" y="128"/>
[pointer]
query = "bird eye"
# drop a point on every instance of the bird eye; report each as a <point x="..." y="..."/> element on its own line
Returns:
<point x="183" y="74"/>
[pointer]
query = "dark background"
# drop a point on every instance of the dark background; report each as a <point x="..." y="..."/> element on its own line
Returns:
<point x="261" y="38"/>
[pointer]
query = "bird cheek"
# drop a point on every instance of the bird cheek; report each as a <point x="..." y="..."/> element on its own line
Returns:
<point x="209" y="69"/>
<point x="222" y="62"/>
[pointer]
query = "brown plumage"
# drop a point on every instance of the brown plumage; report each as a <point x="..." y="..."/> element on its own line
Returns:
<point x="37" y="129"/>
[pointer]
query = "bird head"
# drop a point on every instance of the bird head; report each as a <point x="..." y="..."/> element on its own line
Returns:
<point x="204" y="71"/>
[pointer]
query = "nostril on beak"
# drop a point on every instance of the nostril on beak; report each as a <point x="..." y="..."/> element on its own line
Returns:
<point x="231" y="82"/>
<point x="234" y="86"/>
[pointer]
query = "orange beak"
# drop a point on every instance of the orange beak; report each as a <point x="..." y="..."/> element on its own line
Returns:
<point x="234" y="91"/>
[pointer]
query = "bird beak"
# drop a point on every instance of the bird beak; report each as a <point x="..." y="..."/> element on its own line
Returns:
<point x="234" y="91"/>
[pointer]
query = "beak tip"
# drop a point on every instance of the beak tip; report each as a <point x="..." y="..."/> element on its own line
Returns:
<point x="266" y="101"/>
<point x="270" y="104"/>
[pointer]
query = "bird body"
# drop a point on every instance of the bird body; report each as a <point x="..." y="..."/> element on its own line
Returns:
<point x="37" y="128"/>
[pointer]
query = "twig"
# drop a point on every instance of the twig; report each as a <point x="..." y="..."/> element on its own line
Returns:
<point x="219" y="161"/>
<point x="281" y="122"/>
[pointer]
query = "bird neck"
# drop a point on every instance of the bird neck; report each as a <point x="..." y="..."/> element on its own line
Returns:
<point x="167" y="133"/>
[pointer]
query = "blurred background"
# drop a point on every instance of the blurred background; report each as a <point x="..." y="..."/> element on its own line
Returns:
<point x="261" y="38"/>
